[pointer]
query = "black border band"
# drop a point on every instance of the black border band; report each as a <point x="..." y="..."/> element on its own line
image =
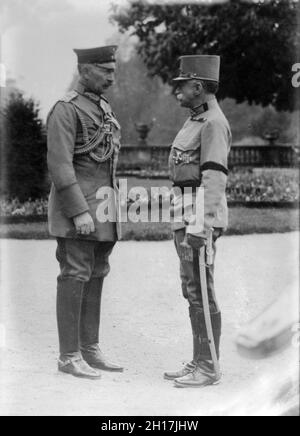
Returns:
<point x="214" y="166"/>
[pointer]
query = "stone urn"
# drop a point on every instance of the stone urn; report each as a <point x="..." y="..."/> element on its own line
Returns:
<point x="143" y="130"/>
<point x="271" y="136"/>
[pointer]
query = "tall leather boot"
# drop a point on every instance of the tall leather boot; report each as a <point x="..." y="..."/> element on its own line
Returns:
<point x="68" y="308"/>
<point x="90" y="325"/>
<point x="203" y="374"/>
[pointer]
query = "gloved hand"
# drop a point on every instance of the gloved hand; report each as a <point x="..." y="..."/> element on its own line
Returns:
<point x="195" y="242"/>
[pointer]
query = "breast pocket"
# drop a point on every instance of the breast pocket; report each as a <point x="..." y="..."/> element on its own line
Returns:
<point x="185" y="166"/>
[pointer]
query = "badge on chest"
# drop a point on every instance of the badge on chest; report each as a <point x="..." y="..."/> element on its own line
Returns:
<point x="181" y="157"/>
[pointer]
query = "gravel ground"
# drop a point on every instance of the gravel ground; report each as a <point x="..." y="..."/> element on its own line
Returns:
<point x="146" y="327"/>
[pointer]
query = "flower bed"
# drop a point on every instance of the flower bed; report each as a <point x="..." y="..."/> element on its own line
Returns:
<point x="14" y="208"/>
<point x="248" y="187"/>
<point x="268" y="186"/>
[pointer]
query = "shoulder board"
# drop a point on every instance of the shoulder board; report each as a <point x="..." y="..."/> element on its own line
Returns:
<point x="66" y="99"/>
<point x="200" y="120"/>
<point x="69" y="97"/>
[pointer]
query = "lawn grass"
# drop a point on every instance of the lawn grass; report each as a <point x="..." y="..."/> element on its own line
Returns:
<point x="243" y="221"/>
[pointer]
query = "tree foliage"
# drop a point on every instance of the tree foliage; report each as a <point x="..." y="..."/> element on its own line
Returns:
<point x="24" y="150"/>
<point x="257" y="43"/>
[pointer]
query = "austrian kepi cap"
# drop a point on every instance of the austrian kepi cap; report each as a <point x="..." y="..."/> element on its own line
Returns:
<point x="98" y="55"/>
<point x="202" y="67"/>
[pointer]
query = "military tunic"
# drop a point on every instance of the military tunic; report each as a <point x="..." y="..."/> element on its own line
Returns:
<point x="199" y="157"/>
<point x="82" y="129"/>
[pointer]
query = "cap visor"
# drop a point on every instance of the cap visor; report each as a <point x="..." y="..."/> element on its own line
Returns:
<point x="181" y="79"/>
<point x="108" y="65"/>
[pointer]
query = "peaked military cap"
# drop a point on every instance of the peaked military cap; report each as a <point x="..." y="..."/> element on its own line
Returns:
<point x="98" y="55"/>
<point x="202" y="67"/>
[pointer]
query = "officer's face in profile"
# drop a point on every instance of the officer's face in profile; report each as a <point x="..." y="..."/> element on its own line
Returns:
<point x="98" y="78"/>
<point x="188" y="92"/>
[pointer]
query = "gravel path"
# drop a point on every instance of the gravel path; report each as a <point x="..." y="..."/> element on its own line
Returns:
<point x="145" y="327"/>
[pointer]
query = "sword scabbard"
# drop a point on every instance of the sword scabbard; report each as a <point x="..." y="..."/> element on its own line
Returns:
<point x="209" y="248"/>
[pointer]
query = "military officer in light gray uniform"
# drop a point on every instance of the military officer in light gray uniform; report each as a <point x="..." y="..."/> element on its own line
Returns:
<point x="83" y="146"/>
<point x="199" y="157"/>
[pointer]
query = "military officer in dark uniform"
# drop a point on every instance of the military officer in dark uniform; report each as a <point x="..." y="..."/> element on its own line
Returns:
<point x="199" y="158"/>
<point x="83" y="145"/>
